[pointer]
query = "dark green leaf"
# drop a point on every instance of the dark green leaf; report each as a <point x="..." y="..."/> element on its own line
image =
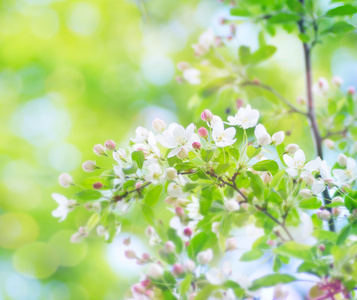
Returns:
<point x="338" y="28"/>
<point x="344" y="10"/>
<point x="266" y="165"/>
<point x="343" y="235"/>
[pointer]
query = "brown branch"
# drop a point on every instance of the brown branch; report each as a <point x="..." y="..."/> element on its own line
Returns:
<point x="332" y="133"/>
<point x="122" y="196"/>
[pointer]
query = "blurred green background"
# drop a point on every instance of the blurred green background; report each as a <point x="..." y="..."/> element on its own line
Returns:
<point x="76" y="73"/>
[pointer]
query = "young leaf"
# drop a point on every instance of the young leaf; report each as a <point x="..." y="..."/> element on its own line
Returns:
<point x="234" y="153"/>
<point x="262" y="54"/>
<point x="296" y="250"/>
<point x="148" y="214"/>
<point x="277" y="177"/>
<point x="266" y="165"/>
<point x="344" y="10"/>
<point x="252" y="255"/>
<point x="252" y="151"/>
<point x="239" y="12"/>
<point x="257" y="185"/>
<point x="244" y="55"/>
<point x="338" y="28"/>
<point x="312" y="203"/>
<point x="271" y="280"/>
<point x="153" y="195"/>
<point x="282" y="18"/>
<point x="87" y="195"/>
<point x="138" y="156"/>
<point x="343" y="235"/>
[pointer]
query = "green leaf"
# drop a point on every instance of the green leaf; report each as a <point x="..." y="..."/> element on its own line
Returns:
<point x="271" y="280"/>
<point x="207" y="155"/>
<point x="266" y="165"/>
<point x="344" y="10"/>
<point x="92" y="222"/>
<point x="234" y="153"/>
<point x="239" y="12"/>
<point x="173" y="237"/>
<point x="256" y="184"/>
<point x="88" y="195"/>
<point x="304" y="37"/>
<point x="282" y="18"/>
<point x="343" y="235"/>
<point x="262" y="54"/>
<point x="277" y="178"/>
<point x="295" y="6"/>
<point x="296" y="250"/>
<point x="223" y="168"/>
<point x="338" y="28"/>
<point x="244" y="55"/>
<point x="205" y="201"/>
<point x="148" y="214"/>
<point x="88" y="182"/>
<point x="206" y="292"/>
<point x="197" y="244"/>
<point x="252" y="151"/>
<point x="312" y="203"/>
<point x="252" y="255"/>
<point x="138" y="156"/>
<point x="132" y="169"/>
<point x="153" y="195"/>
<point x="185" y="284"/>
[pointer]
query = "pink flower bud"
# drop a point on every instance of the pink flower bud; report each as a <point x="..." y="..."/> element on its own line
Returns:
<point x="271" y="242"/>
<point x="89" y="166"/>
<point x="196" y="145"/>
<point x="336" y="211"/>
<point x="110" y="145"/>
<point x="146" y="256"/>
<point x="65" y="180"/>
<point x="189" y="266"/>
<point x="146" y="282"/>
<point x="127" y="241"/>
<point x="149" y="231"/>
<point x="158" y="125"/>
<point x="351" y="90"/>
<point x="266" y="178"/>
<point x="182" y="65"/>
<point x="188" y="243"/>
<point x="130" y="254"/>
<point x="202" y="132"/>
<point x="182" y="154"/>
<point x="324" y="215"/>
<point x="97" y="185"/>
<point x="206" y="115"/>
<point x="179" y="211"/>
<point x="169" y="247"/>
<point x="322" y="247"/>
<point x="187" y="232"/>
<point x="99" y="150"/>
<point x="138" y="184"/>
<point x="231" y="244"/>
<point x="80" y="235"/>
<point x="177" y="269"/>
<point x="155" y="271"/>
<point x="138" y="288"/>
<point x="239" y="103"/>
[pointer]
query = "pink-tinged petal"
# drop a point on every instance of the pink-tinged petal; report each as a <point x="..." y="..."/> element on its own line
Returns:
<point x="174" y="151"/>
<point x="313" y="165"/>
<point x="299" y="156"/>
<point x="289" y="161"/>
<point x="318" y="187"/>
<point x="230" y="133"/>
<point x="60" y="199"/>
<point x="292" y="172"/>
<point x="233" y="121"/>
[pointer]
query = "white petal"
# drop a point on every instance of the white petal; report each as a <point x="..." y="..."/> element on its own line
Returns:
<point x="60" y="199"/>
<point x="289" y="161"/>
<point x="299" y="156"/>
<point x="292" y="172"/>
<point x="174" y="151"/>
<point x="318" y="187"/>
<point x="233" y="121"/>
<point x="215" y="276"/>
<point x="313" y="165"/>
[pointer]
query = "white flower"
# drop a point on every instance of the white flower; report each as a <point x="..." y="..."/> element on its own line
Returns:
<point x="118" y="170"/>
<point x="349" y="174"/>
<point x="215" y="120"/>
<point x="192" y="76"/>
<point x="189" y="266"/>
<point x="119" y="155"/>
<point x="342" y="160"/>
<point x="156" y="174"/>
<point x="99" y="150"/>
<point x="279" y="293"/>
<point x="176" y="138"/>
<point x="204" y="257"/>
<point x="330" y="144"/>
<point x="193" y="209"/>
<point x="231" y="244"/>
<point x="171" y="173"/>
<point x="205" y="41"/>
<point x="219" y="276"/>
<point x="174" y="190"/>
<point x="65" y="180"/>
<point x="262" y="135"/>
<point x="80" y="235"/>
<point x="321" y="87"/>
<point x="141" y="135"/>
<point x="278" y="137"/>
<point x="297" y="164"/>
<point x="155" y="271"/>
<point x="231" y="205"/>
<point x="216" y="226"/>
<point x="337" y="199"/>
<point x="64" y="206"/>
<point x="246" y="117"/>
<point x="318" y="187"/>
<point x="337" y="81"/>
<point x="223" y="137"/>
<point x="102" y="231"/>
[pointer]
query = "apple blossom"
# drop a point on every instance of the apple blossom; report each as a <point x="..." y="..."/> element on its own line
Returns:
<point x="141" y="135"/>
<point x="89" y="166"/>
<point x="324" y="215"/>
<point x="130" y="254"/>
<point x="188" y="232"/>
<point x="64" y="206"/>
<point x="351" y="90"/>
<point x="231" y="205"/>
<point x="65" y="180"/>
<point x="155" y="174"/>
<point x="231" y="244"/>
<point x="347" y="175"/>
<point x="192" y="76"/>
<point x="329" y="144"/>
<point x="171" y="173"/>
<point x="205" y="42"/>
<point x="337" y="199"/>
<point x="182" y="65"/>
<point x="337" y="81"/>
<point x="279" y="293"/>
<point x="189" y="265"/>
<point x="298" y="166"/>
<point x="278" y="137"/>
<point x="306" y="193"/>
<point x="99" y="150"/>
<point x="158" y="125"/>
<point x="102" y="231"/>
<point x="216" y="227"/>
<point x="110" y="145"/>
<point x="155" y="271"/>
<point x="204" y="257"/>
<point x="202" y="132"/>
<point x="223" y="137"/>
<point x="262" y="135"/>
<point x="292" y="148"/>
<point x="336" y="211"/>
<point x="206" y="115"/>
<point x="177" y="269"/>
<point x="318" y="187"/>
<point x="169" y="247"/>
<point x="80" y="235"/>
<point x="196" y="145"/>
<point x="245" y="117"/>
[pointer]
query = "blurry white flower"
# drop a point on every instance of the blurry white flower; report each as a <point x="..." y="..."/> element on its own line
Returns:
<point x="141" y="135"/>
<point x="279" y="293"/>
<point x="158" y="125"/>
<point x="245" y="117"/>
<point x="205" y="41"/>
<point x="204" y="257"/>
<point x="231" y="205"/>
<point x="65" y="180"/>
<point x="318" y="187"/>
<point x="231" y="244"/>
<point x="278" y="137"/>
<point x="189" y="265"/>
<point x="192" y="76"/>
<point x="306" y="193"/>
<point x="155" y="271"/>
<point x="64" y="206"/>
<point x="347" y="175"/>
<point x="176" y="137"/>
<point x="329" y="144"/>
<point x="155" y="174"/>
<point x="89" y="166"/>
<point x="223" y="137"/>
<point x="119" y="155"/>
<point x="171" y="173"/>
<point x="337" y="199"/>
<point x="297" y="164"/>
<point x="174" y="190"/>
<point x="337" y="81"/>
<point x="193" y="209"/>
<point x="262" y="135"/>
<point x="216" y="227"/>
<point x="80" y="235"/>
<point x="321" y="87"/>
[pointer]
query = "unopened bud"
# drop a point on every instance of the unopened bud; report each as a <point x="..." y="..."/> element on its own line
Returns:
<point x="309" y="179"/>
<point x="266" y="178"/>
<point x="202" y="132"/>
<point x="337" y="199"/>
<point x="187" y="232"/>
<point x="171" y="173"/>
<point x="158" y="125"/>
<point x="97" y="185"/>
<point x="110" y="145"/>
<point x="146" y="256"/>
<point x="206" y="115"/>
<point x="264" y="139"/>
<point x="354" y="213"/>
<point x="183" y="153"/>
<point x="89" y="166"/>
<point x="351" y="90"/>
<point x="278" y="137"/>
<point x="169" y="247"/>
<point x="149" y="231"/>
<point x="177" y="269"/>
<point x="127" y="241"/>
<point x="322" y="247"/>
<point x="65" y="180"/>
<point x="155" y="271"/>
<point x="329" y="144"/>
<point x="306" y="193"/>
<point x="189" y="266"/>
<point x="336" y="211"/>
<point x="138" y="184"/>
<point x="179" y="211"/>
<point x="99" y="150"/>
<point x="324" y="215"/>
<point x="337" y="81"/>
<point x="182" y="65"/>
<point x="301" y="101"/>
<point x="216" y="227"/>
<point x="130" y="254"/>
<point x="292" y="148"/>
<point x="196" y="145"/>
<point x="342" y="160"/>
<point x="231" y="244"/>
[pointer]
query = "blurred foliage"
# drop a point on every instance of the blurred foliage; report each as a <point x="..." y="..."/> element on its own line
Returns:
<point x="75" y="73"/>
